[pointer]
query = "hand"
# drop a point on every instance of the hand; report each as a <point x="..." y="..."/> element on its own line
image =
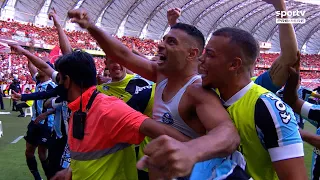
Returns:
<point x="173" y="15"/>
<point x="65" y="174"/>
<point x="80" y="16"/>
<point x="169" y="157"/>
<point x="40" y="118"/>
<point x="15" y="96"/>
<point x="273" y="1"/>
<point x="276" y="3"/>
<point x="16" y="48"/>
<point x="53" y="16"/>
<point x="290" y="95"/>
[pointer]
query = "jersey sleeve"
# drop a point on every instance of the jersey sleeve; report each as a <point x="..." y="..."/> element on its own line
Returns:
<point x="39" y="95"/>
<point x="265" y="81"/>
<point x="140" y="100"/>
<point x="311" y="111"/>
<point x="124" y="123"/>
<point x="277" y="128"/>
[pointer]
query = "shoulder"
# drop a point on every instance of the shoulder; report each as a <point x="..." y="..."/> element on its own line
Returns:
<point x="272" y="112"/>
<point x="271" y="103"/>
<point x="197" y="94"/>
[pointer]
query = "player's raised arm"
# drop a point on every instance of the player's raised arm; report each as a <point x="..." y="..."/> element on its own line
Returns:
<point x="63" y="39"/>
<point x="173" y="16"/>
<point x="288" y="44"/>
<point x="113" y="48"/>
<point x="36" y="61"/>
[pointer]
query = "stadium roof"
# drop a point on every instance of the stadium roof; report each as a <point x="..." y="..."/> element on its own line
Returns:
<point x="149" y="16"/>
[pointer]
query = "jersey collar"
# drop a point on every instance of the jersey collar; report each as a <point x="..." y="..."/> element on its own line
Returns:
<point x="238" y="95"/>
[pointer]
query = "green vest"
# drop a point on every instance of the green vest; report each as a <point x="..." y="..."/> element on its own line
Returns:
<point x="259" y="165"/>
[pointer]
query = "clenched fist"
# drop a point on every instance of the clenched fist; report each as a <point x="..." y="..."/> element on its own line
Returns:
<point x="80" y="16"/>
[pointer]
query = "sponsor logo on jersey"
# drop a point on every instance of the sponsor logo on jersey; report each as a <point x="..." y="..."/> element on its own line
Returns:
<point x="167" y="118"/>
<point x="316" y="151"/>
<point x="284" y="112"/>
<point x="105" y="88"/>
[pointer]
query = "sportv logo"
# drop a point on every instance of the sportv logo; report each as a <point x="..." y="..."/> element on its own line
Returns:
<point x="290" y="17"/>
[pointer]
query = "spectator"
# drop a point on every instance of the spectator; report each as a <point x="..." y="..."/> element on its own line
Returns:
<point x="26" y="104"/>
<point x="15" y="86"/>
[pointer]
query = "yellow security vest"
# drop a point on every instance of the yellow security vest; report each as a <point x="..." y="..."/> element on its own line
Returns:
<point x="259" y="165"/>
<point x="117" y="89"/>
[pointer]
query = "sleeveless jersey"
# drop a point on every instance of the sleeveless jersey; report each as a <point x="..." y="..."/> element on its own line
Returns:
<point x="267" y="129"/>
<point x="168" y="113"/>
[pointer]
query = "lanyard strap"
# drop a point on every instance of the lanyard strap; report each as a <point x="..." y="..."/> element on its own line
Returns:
<point x="93" y="96"/>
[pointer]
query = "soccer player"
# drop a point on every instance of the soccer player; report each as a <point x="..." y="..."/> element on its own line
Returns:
<point x="179" y="101"/>
<point x="136" y="91"/>
<point x="103" y="151"/>
<point x="38" y="134"/>
<point x="270" y="140"/>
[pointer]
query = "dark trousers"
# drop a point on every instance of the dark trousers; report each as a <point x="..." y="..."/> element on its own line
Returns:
<point x="1" y="101"/>
<point x="20" y="106"/>
<point x="14" y="105"/>
<point x="56" y="148"/>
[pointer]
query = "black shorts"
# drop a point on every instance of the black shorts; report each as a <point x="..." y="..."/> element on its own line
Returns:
<point x="56" y="147"/>
<point x="38" y="134"/>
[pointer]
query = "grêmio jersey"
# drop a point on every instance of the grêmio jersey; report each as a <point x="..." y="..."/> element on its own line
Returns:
<point x="129" y="89"/>
<point x="137" y="92"/>
<point x="267" y="128"/>
<point x="312" y="113"/>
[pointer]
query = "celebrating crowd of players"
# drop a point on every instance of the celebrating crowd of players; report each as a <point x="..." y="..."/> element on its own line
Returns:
<point x="207" y="116"/>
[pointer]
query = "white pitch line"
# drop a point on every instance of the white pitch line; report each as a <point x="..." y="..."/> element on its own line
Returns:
<point x="16" y="140"/>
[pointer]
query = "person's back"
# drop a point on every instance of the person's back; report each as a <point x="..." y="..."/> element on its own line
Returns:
<point x="100" y="154"/>
<point x="102" y="128"/>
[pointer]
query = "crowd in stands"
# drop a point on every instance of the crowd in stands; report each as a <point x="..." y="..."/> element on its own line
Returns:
<point x="19" y="67"/>
<point x="82" y="40"/>
<point x="307" y="60"/>
<point x="78" y="39"/>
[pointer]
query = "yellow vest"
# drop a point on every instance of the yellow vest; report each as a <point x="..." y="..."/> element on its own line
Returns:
<point x="259" y="165"/>
<point x="30" y="102"/>
<point x="147" y="112"/>
<point x="117" y="89"/>
<point x="116" y="166"/>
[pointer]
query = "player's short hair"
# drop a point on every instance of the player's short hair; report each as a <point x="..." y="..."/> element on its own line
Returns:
<point x="80" y="67"/>
<point x="192" y="31"/>
<point x="244" y="40"/>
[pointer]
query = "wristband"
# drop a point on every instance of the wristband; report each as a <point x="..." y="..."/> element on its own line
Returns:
<point x="54" y="77"/>
<point x="305" y="109"/>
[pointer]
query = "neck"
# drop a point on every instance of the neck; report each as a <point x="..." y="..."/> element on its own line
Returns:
<point x="118" y="79"/>
<point x="74" y="94"/>
<point x="181" y="75"/>
<point x="233" y="86"/>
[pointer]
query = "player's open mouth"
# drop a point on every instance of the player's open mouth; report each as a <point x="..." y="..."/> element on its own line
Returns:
<point x="162" y="58"/>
